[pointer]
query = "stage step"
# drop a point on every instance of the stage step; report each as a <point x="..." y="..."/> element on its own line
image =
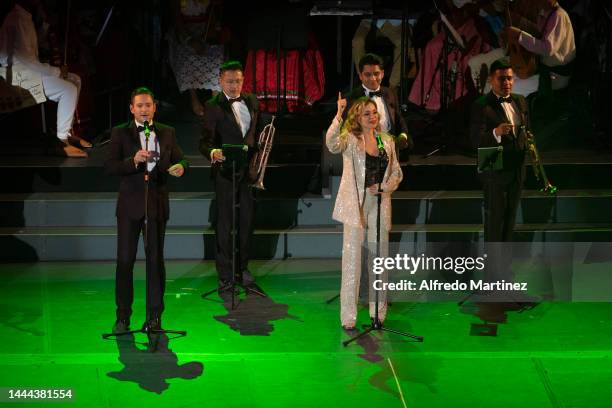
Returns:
<point x="566" y="170"/>
<point x="287" y="210"/>
<point x="99" y="243"/>
<point x="72" y="175"/>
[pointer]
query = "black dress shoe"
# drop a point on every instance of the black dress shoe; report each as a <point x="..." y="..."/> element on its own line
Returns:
<point x="525" y="300"/>
<point x="247" y="278"/>
<point x="224" y="284"/>
<point x="153" y="323"/>
<point x="492" y="312"/>
<point x="121" y="325"/>
<point x="225" y="290"/>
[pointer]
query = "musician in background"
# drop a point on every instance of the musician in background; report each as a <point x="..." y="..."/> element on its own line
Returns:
<point x="231" y="117"/>
<point x="426" y="89"/>
<point x="493" y="13"/>
<point x="552" y="39"/>
<point x="371" y="74"/>
<point x="19" y="48"/>
<point x="196" y="49"/>
<point x="388" y="28"/>
<point x="495" y="121"/>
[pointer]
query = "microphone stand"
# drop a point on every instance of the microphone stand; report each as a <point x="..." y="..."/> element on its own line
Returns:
<point x="145" y="236"/>
<point x="452" y="41"/>
<point x="146" y="329"/>
<point x="376" y="324"/>
<point x="234" y="154"/>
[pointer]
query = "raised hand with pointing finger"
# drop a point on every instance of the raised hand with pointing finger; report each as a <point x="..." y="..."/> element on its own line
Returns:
<point x="341" y="106"/>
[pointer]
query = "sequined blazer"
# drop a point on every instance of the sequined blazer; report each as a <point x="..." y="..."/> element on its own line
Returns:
<point x="351" y="194"/>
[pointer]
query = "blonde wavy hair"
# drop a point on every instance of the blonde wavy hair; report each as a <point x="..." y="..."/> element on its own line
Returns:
<point x="351" y="124"/>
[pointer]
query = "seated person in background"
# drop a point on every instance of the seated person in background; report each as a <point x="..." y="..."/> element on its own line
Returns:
<point x="194" y="60"/>
<point x="492" y="12"/>
<point x="390" y="29"/>
<point x="19" y="49"/>
<point x="463" y="16"/>
<point x="555" y="47"/>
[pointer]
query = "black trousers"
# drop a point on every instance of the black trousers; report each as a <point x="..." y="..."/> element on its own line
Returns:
<point x="128" y="233"/>
<point x="502" y="196"/>
<point x="223" y="229"/>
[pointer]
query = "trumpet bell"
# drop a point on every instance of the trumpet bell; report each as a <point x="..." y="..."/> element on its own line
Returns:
<point x="259" y="162"/>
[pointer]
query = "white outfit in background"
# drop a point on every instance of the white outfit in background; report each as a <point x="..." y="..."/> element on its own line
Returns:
<point x="19" y="45"/>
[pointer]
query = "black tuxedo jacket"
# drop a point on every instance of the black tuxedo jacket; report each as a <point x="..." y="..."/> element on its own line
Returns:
<point x="220" y="127"/>
<point x="124" y="144"/>
<point x="397" y="122"/>
<point x="487" y="113"/>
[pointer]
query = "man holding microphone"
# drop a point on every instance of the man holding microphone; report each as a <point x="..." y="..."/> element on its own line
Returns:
<point x="142" y="153"/>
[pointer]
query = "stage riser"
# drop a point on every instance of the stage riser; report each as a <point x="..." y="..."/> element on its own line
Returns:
<point x="284" y="213"/>
<point x="462" y="177"/>
<point x="25" y="248"/>
<point x="296" y="178"/>
<point x="292" y="179"/>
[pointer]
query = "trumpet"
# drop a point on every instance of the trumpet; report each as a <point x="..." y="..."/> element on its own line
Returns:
<point x="536" y="163"/>
<point x="257" y="166"/>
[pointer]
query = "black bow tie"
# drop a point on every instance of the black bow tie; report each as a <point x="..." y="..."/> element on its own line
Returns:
<point x="506" y="99"/>
<point x="372" y="94"/>
<point x="141" y="128"/>
<point x="238" y="99"/>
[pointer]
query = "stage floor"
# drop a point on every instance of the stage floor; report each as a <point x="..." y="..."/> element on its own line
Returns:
<point x="287" y="350"/>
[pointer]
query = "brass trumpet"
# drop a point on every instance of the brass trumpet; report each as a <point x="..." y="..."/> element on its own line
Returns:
<point x="257" y="166"/>
<point x="536" y="163"/>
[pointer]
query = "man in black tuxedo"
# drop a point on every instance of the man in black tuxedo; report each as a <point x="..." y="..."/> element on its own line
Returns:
<point x="496" y="119"/>
<point x="137" y="152"/>
<point x="371" y="74"/>
<point x="499" y="118"/>
<point x="231" y="117"/>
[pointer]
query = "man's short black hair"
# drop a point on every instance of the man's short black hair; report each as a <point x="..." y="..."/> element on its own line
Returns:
<point x="502" y="63"/>
<point x="143" y="90"/>
<point x="231" y="65"/>
<point x="370" y="59"/>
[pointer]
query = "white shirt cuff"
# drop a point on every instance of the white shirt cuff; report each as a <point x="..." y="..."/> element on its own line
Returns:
<point x="498" y="138"/>
<point x="526" y="40"/>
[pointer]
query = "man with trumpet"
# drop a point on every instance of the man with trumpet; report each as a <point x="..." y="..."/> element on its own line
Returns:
<point x="496" y="120"/>
<point x="231" y="117"/>
<point x="500" y="119"/>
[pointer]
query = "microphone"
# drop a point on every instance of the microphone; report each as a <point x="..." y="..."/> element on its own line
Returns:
<point x="147" y="131"/>
<point x="379" y="143"/>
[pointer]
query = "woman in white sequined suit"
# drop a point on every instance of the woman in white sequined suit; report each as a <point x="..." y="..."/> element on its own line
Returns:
<point x="356" y="204"/>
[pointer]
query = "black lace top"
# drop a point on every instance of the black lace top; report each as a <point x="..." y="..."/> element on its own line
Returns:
<point x="374" y="175"/>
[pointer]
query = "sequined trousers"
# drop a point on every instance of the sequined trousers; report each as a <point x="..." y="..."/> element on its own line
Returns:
<point x="352" y="249"/>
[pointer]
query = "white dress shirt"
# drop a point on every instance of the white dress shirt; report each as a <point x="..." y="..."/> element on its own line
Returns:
<point x="152" y="146"/>
<point x="381" y="107"/>
<point x="242" y="115"/>
<point x="557" y="46"/>
<point x="512" y="113"/>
